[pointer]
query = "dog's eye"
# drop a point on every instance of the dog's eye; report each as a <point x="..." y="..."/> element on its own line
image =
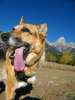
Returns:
<point x="25" y="30"/>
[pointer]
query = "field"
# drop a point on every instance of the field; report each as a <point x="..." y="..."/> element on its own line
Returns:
<point x="54" y="82"/>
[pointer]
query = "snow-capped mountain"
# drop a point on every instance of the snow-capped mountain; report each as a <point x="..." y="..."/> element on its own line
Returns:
<point x="61" y="44"/>
<point x="56" y="50"/>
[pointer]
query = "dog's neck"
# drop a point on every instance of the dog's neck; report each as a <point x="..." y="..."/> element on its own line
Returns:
<point x="42" y="60"/>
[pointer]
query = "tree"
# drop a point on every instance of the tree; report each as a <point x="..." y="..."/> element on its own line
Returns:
<point x="50" y="57"/>
<point x="67" y="58"/>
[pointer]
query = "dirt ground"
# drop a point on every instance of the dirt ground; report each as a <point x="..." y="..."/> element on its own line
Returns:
<point x="51" y="84"/>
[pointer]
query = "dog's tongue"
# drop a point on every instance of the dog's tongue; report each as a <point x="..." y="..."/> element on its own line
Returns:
<point x="19" y="63"/>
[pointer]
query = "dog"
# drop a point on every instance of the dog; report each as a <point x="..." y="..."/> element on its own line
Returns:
<point x="26" y="43"/>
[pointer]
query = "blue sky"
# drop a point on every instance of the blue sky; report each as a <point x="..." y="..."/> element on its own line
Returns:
<point x="58" y="14"/>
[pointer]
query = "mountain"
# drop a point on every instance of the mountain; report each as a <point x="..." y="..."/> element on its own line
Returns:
<point x="52" y="49"/>
<point x="55" y="51"/>
<point x="61" y="45"/>
<point x="52" y="54"/>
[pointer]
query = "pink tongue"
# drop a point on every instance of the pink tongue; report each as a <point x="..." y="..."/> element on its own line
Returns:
<point x="19" y="64"/>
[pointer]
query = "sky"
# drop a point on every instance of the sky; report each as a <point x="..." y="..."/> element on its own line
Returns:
<point x="58" y="14"/>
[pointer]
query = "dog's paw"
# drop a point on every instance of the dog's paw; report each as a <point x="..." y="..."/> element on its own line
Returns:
<point x="21" y="84"/>
<point x="31" y="79"/>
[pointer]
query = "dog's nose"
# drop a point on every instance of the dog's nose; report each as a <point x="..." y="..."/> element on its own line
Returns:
<point x="5" y="36"/>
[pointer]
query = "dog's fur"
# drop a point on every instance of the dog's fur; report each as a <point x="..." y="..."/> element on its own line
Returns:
<point x="36" y="38"/>
<point x="3" y="48"/>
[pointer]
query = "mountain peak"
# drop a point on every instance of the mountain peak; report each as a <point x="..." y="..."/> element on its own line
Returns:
<point x="61" y="41"/>
<point x="61" y="45"/>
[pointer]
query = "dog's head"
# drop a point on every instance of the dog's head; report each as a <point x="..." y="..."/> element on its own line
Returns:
<point x="28" y="33"/>
<point x="29" y="36"/>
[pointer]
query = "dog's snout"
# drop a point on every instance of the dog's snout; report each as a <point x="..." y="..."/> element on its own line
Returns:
<point x="17" y="43"/>
<point x="5" y="36"/>
<point x="17" y="39"/>
<point x="20" y="43"/>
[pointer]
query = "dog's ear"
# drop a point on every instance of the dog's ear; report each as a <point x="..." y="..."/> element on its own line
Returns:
<point x="43" y="29"/>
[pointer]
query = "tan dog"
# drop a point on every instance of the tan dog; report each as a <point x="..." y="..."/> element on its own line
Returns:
<point x="31" y="38"/>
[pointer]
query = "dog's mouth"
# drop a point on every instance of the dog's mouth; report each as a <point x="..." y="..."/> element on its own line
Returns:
<point x="18" y="57"/>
